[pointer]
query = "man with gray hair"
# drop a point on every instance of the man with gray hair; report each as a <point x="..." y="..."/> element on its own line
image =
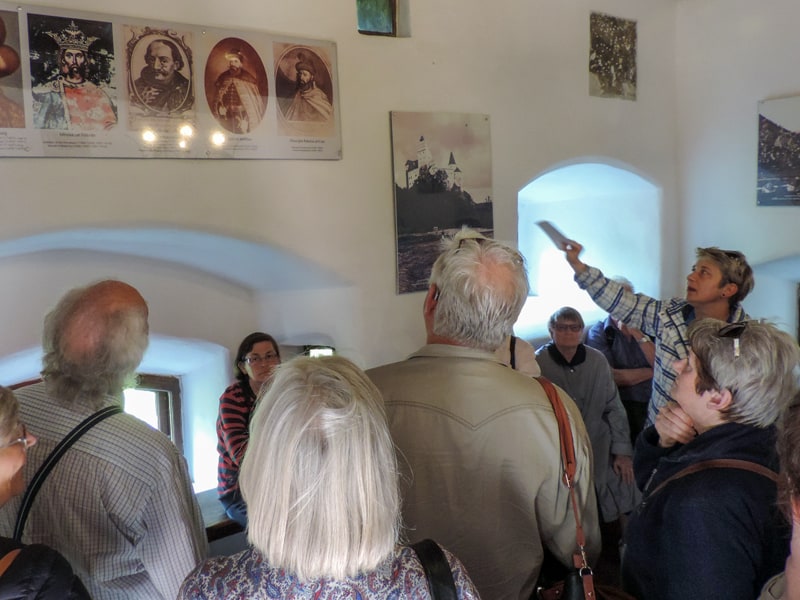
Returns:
<point x="480" y="440"/>
<point x="119" y="503"/>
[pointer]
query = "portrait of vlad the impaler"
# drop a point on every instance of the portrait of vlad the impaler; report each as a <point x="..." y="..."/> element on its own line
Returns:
<point x="72" y="66"/>
<point x="160" y="72"/>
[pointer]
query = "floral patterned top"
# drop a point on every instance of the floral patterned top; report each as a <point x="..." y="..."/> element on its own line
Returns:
<point x="247" y="576"/>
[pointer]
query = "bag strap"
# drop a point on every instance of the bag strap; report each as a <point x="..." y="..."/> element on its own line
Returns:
<point x="512" y="345"/>
<point x="51" y="461"/>
<point x="437" y="570"/>
<point x="7" y="559"/>
<point x="718" y="463"/>
<point x="570" y="467"/>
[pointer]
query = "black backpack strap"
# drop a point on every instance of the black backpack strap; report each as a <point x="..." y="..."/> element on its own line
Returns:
<point x="53" y="458"/>
<point x="512" y="345"/>
<point x="437" y="570"/>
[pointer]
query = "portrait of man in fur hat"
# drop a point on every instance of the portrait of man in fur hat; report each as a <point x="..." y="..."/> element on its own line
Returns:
<point x="309" y="103"/>
<point x="238" y="103"/>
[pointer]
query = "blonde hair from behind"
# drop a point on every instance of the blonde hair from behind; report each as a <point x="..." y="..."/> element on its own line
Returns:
<point x="320" y="474"/>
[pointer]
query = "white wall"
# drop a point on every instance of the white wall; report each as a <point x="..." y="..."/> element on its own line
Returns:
<point x="523" y="63"/>
<point x="731" y="54"/>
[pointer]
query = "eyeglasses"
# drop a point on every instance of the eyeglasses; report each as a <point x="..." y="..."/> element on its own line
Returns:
<point x="733" y="331"/>
<point x="574" y="327"/>
<point x="20" y="440"/>
<point x="254" y="359"/>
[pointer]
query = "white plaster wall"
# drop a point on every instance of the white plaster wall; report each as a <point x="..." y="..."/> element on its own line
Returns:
<point x="524" y="63"/>
<point x="731" y="54"/>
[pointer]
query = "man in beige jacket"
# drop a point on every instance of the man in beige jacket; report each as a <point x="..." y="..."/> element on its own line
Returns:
<point x="479" y="441"/>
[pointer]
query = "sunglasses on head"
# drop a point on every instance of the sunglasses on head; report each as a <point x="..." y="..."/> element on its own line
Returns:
<point x="733" y="331"/>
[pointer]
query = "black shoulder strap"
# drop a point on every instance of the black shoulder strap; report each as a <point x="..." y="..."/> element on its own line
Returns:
<point x="512" y="345"/>
<point x="611" y="334"/>
<point x="718" y="463"/>
<point x="437" y="570"/>
<point x="53" y="458"/>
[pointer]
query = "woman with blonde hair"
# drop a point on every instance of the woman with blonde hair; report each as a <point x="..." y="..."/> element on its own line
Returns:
<point x="320" y="481"/>
<point x="33" y="572"/>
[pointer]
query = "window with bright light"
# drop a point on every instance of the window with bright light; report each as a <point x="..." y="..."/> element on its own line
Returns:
<point x="156" y="400"/>
<point x="315" y="351"/>
<point x="613" y="212"/>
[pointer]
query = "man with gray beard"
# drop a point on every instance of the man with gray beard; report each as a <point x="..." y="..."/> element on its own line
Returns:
<point x="119" y="503"/>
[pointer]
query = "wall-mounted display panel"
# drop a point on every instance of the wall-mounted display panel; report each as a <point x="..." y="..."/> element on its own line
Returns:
<point x="81" y="84"/>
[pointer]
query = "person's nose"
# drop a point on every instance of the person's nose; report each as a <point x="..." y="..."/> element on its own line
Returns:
<point x="679" y="365"/>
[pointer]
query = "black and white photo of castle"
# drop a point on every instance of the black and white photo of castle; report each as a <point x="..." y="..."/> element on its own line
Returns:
<point x="442" y="182"/>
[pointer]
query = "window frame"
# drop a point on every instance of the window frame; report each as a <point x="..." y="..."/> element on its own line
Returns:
<point x="167" y="389"/>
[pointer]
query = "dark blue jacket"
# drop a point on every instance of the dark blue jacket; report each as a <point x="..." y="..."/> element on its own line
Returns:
<point x="714" y="534"/>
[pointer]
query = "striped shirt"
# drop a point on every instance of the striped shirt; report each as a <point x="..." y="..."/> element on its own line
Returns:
<point x="233" y="430"/>
<point x="666" y="321"/>
<point x="119" y="504"/>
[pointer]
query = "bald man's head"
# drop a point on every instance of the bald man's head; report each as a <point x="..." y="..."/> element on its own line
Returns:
<point x="93" y="340"/>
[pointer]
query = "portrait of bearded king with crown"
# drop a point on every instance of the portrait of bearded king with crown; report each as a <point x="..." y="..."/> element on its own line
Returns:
<point x="67" y="98"/>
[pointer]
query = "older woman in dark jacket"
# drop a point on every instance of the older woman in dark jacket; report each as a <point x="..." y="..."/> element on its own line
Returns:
<point x="34" y="572"/>
<point x="713" y="531"/>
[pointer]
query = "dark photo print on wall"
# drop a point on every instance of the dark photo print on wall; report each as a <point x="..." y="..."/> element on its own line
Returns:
<point x="612" y="57"/>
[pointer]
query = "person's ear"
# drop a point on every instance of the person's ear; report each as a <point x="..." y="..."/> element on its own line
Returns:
<point x="794" y="501"/>
<point x="729" y="289"/>
<point x="719" y="400"/>
<point x="431" y="299"/>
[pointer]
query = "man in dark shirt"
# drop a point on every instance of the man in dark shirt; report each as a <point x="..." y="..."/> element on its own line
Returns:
<point x="630" y="354"/>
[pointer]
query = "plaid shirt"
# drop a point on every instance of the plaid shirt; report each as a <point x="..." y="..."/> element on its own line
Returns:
<point x="118" y="505"/>
<point x="664" y="320"/>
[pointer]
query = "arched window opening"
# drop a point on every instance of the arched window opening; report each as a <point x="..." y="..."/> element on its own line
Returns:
<point x="612" y="211"/>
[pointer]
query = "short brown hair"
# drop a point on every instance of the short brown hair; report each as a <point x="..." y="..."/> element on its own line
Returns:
<point x="735" y="269"/>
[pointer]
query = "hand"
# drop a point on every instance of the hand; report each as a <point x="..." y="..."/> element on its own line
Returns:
<point x="571" y="250"/>
<point x="674" y="426"/>
<point x="623" y="466"/>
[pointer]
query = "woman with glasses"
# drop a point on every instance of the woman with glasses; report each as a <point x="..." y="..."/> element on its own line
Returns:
<point x="321" y="482"/>
<point x="584" y="373"/>
<point x="708" y="525"/>
<point x="34" y="571"/>
<point x="257" y="357"/>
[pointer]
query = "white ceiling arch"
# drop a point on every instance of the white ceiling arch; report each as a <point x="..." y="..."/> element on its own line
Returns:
<point x="253" y="265"/>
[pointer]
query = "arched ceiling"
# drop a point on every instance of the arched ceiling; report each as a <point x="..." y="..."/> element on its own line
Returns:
<point x="252" y="265"/>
